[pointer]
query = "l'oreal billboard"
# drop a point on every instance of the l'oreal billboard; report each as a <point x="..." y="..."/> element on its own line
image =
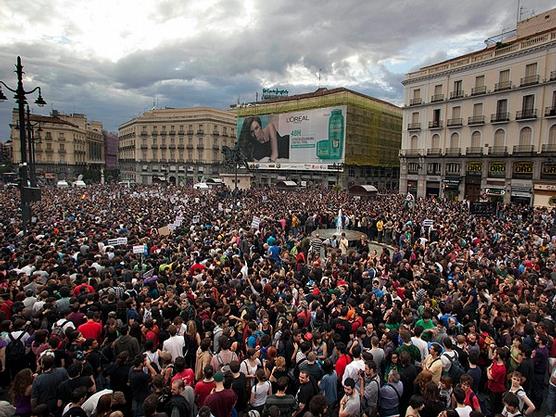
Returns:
<point x="305" y="140"/>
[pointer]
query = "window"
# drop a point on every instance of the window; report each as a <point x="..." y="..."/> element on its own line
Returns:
<point x="552" y="135"/>
<point x="351" y="172"/>
<point x="417" y="93"/>
<point x="528" y="103"/>
<point x="454" y="141"/>
<point x="501" y="107"/>
<point x="436" y="115"/>
<point x="504" y="76"/>
<point x="415" y="117"/>
<point x="456" y="112"/>
<point x="525" y="136"/>
<point x="499" y="138"/>
<point x="413" y="168"/>
<point x="531" y="70"/>
<point x="414" y="142"/>
<point x="453" y="168"/>
<point x="435" y="142"/>
<point x="478" y="109"/>
<point x="476" y="139"/>
<point x="479" y="81"/>
<point x="433" y="168"/>
<point x="438" y="89"/>
<point x="458" y="86"/>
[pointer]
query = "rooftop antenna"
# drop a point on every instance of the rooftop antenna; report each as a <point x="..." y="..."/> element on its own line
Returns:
<point x="519" y="10"/>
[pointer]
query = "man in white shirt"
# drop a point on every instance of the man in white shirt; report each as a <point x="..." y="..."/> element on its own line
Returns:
<point x="174" y="344"/>
<point x="356" y="367"/>
<point x="422" y="345"/>
<point x="462" y="409"/>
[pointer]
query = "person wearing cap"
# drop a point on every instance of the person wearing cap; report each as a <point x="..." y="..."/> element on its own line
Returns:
<point x="222" y="400"/>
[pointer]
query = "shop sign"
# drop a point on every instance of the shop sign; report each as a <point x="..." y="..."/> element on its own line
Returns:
<point x="545" y="187"/>
<point x="452" y="181"/>
<point x="497" y="169"/>
<point x="522" y="169"/>
<point x="474" y="168"/>
<point x="548" y="170"/>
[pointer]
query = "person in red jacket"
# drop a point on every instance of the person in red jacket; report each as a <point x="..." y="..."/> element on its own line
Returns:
<point x="496" y="378"/>
<point x="343" y="360"/>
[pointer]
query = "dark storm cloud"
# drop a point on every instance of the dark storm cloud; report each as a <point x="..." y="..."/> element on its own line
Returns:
<point x="346" y="42"/>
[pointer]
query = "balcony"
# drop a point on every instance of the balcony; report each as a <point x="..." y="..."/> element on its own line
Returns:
<point x="415" y="101"/>
<point x="181" y="146"/>
<point x="200" y="132"/>
<point x="499" y="117"/>
<point x="529" y="80"/>
<point x="163" y="146"/>
<point x="154" y="146"/>
<point x="455" y="122"/>
<point x="552" y="75"/>
<point x="523" y="149"/>
<point x="526" y="114"/>
<point x="550" y="111"/>
<point x="61" y="139"/>
<point x="549" y="147"/>
<point x="190" y="132"/>
<point x="200" y="146"/>
<point x="412" y="152"/>
<point x="453" y="152"/>
<point x="476" y="120"/>
<point x="215" y="147"/>
<point x="434" y="152"/>
<point x="477" y="91"/>
<point x="216" y="133"/>
<point x="61" y="151"/>
<point x="414" y="126"/>
<point x="437" y="97"/>
<point x="435" y="124"/>
<point x="474" y="151"/>
<point x="503" y="85"/>
<point x="189" y="146"/>
<point x="144" y="146"/>
<point x="144" y="133"/>
<point x="154" y="133"/>
<point x="49" y="150"/>
<point x="457" y="94"/>
<point x="163" y="133"/>
<point x="172" y="146"/>
<point x="172" y="132"/>
<point x="181" y="132"/>
<point x="498" y="150"/>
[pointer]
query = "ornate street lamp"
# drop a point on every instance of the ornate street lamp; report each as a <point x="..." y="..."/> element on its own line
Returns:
<point x="28" y="194"/>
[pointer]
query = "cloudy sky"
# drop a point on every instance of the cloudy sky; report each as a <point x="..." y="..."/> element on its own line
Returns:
<point x="110" y="59"/>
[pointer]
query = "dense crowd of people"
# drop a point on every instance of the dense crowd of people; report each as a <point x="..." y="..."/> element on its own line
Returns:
<point x="241" y="308"/>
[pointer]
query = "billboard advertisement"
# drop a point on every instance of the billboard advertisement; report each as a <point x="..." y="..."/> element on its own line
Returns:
<point x="304" y="140"/>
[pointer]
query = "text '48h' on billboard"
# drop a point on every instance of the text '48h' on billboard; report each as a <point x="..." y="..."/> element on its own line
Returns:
<point x="307" y="140"/>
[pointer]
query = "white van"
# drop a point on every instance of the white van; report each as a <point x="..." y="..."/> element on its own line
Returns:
<point x="62" y="184"/>
<point x="79" y="183"/>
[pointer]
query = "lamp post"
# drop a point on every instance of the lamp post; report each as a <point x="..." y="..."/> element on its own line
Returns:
<point x="27" y="194"/>
<point x="31" y="139"/>
<point x="235" y="158"/>
<point x="338" y="168"/>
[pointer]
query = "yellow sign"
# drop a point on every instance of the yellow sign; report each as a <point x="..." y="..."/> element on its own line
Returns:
<point x="474" y="168"/>
<point x="524" y="167"/>
<point x="497" y="169"/>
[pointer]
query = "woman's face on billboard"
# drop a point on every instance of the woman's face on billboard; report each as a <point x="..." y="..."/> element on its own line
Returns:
<point x="257" y="132"/>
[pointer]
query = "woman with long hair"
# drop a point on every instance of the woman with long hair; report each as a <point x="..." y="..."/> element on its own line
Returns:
<point x="192" y="340"/>
<point x="258" y="142"/>
<point x="20" y="392"/>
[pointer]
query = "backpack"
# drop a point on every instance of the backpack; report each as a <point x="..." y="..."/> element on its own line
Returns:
<point x="58" y="331"/>
<point x="484" y="403"/>
<point x="15" y="351"/>
<point x="456" y="370"/>
<point x="224" y="368"/>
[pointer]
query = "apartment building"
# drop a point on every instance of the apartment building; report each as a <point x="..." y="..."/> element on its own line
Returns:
<point x="65" y="145"/>
<point x="369" y="147"/>
<point x="179" y="146"/>
<point x="483" y="125"/>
